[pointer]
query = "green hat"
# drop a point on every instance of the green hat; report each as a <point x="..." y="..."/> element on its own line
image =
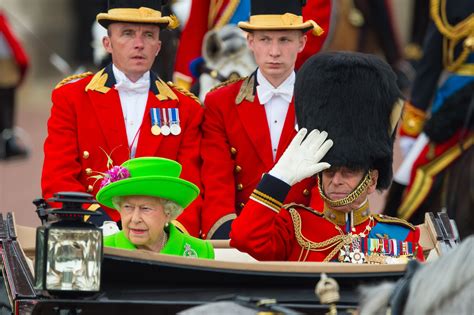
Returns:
<point x="147" y="176"/>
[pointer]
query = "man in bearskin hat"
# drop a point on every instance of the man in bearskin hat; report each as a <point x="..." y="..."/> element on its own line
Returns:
<point x="123" y="111"/>
<point x="249" y="122"/>
<point x="355" y="98"/>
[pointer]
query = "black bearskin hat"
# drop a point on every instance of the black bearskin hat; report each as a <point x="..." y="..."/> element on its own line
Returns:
<point x="351" y="96"/>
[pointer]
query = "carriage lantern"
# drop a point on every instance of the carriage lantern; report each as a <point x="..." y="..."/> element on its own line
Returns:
<point x="68" y="250"/>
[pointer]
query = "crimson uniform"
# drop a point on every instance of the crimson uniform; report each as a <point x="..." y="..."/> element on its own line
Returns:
<point x="236" y="151"/>
<point x="267" y="231"/>
<point x="87" y="124"/>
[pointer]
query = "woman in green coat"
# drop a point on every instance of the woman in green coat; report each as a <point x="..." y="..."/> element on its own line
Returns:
<point x="149" y="194"/>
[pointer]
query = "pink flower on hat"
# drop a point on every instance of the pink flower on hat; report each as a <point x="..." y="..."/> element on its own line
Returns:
<point x="114" y="174"/>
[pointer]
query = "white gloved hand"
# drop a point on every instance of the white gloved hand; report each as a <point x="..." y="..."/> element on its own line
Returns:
<point x="301" y="159"/>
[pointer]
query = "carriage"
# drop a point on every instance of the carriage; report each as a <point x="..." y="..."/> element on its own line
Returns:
<point x="148" y="282"/>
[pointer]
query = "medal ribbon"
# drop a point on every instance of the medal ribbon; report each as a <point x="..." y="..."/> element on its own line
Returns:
<point x="165" y="116"/>
<point x="155" y="117"/>
<point x="173" y="113"/>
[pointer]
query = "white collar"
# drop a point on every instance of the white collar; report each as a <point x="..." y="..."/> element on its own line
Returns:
<point x="121" y="77"/>
<point x="288" y="83"/>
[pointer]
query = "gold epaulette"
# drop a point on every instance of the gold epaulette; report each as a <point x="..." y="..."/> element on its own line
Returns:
<point x="72" y="78"/>
<point x="185" y="92"/>
<point x="413" y="120"/>
<point x="293" y="204"/>
<point x="225" y="83"/>
<point x="388" y="219"/>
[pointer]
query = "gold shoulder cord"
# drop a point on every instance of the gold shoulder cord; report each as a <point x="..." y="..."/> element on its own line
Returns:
<point x="306" y="245"/>
<point x="185" y="92"/>
<point x="227" y="82"/>
<point x="73" y="77"/>
<point x="452" y="35"/>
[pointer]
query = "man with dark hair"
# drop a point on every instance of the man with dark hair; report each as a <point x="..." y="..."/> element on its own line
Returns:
<point x="355" y="98"/>
<point x="249" y="122"/>
<point x="123" y="111"/>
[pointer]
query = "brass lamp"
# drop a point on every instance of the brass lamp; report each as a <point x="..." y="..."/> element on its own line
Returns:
<point x="68" y="250"/>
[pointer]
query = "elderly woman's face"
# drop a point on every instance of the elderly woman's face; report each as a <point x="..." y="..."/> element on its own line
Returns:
<point x="143" y="220"/>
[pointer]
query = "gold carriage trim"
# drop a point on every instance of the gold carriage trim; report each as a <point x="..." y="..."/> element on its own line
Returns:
<point x="337" y="241"/>
<point x="226" y="83"/>
<point x="413" y="120"/>
<point x="71" y="78"/>
<point x="452" y="35"/>
<point x="218" y="224"/>
<point x="349" y="198"/>
<point x="98" y="82"/>
<point x="388" y="219"/>
<point x="424" y="178"/>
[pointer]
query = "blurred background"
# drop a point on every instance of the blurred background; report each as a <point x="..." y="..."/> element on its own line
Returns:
<point x="56" y="35"/>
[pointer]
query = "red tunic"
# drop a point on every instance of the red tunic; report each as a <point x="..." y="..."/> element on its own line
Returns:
<point x="18" y="53"/>
<point x="236" y="151"/>
<point x="268" y="233"/>
<point x="86" y="125"/>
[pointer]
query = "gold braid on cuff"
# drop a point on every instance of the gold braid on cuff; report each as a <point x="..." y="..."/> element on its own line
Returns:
<point x="349" y="198"/>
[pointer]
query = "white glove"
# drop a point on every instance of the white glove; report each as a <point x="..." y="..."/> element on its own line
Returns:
<point x="301" y="159"/>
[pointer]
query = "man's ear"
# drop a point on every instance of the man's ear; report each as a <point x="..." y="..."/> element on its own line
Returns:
<point x="107" y="44"/>
<point x="374" y="174"/>
<point x="250" y="40"/>
<point x="158" y="50"/>
<point x="303" y="40"/>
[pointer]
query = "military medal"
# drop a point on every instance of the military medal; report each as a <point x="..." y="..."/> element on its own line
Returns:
<point x="165" y="129"/>
<point x="174" y="121"/>
<point x="155" y="121"/>
<point x="357" y="257"/>
<point x="155" y="130"/>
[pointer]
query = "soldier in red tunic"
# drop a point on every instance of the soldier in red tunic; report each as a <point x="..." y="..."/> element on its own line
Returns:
<point x="123" y="111"/>
<point x="13" y="66"/>
<point x="249" y="123"/>
<point x="356" y="99"/>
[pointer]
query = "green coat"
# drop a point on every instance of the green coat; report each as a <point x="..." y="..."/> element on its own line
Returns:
<point x="178" y="244"/>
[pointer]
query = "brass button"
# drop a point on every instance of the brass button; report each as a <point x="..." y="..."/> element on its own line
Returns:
<point x="240" y="187"/>
<point x="88" y="171"/>
<point x="306" y="192"/>
<point x="242" y="205"/>
<point x="90" y="188"/>
<point x="237" y="169"/>
<point x="85" y="154"/>
<point x="233" y="150"/>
